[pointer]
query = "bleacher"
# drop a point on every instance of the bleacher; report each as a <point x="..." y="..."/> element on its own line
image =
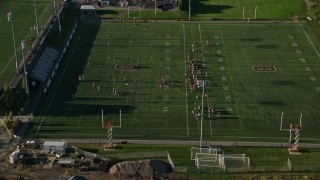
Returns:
<point x="45" y="64"/>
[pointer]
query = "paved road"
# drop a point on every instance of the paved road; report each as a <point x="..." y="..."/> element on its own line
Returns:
<point x="195" y="143"/>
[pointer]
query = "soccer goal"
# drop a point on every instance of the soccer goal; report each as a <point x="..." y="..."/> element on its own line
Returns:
<point x="235" y="162"/>
<point x="249" y="13"/>
<point x="207" y="160"/>
<point x="209" y="150"/>
<point x="215" y="158"/>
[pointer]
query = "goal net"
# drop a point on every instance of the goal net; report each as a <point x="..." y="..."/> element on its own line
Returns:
<point x="208" y="150"/>
<point x="207" y="160"/>
<point x="235" y="162"/>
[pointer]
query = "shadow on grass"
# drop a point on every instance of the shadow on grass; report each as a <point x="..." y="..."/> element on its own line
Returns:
<point x="199" y="8"/>
<point x="267" y="46"/>
<point x="90" y="150"/>
<point x="272" y="102"/>
<point x="106" y="11"/>
<point x="251" y="39"/>
<point x="77" y="110"/>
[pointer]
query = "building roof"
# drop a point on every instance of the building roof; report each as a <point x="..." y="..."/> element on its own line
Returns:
<point x="54" y="143"/>
<point x="87" y="7"/>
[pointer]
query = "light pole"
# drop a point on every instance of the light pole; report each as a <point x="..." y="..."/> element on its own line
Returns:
<point x="14" y="41"/>
<point x="23" y="46"/>
<point x="35" y="12"/>
<point x="155" y="6"/>
<point x="189" y="10"/>
<point x="56" y="7"/>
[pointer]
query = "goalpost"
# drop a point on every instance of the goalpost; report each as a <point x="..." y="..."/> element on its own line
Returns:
<point x="292" y="127"/>
<point x="246" y="11"/>
<point x="102" y="120"/>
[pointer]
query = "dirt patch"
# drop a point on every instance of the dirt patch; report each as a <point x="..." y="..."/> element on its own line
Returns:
<point x="126" y="67"/>
<point x="259" y="68"/>
<point x="140" y="169"/>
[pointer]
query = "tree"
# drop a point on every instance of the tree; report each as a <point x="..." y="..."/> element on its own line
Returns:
<point x="184" y="5"/>
<point x="9" y="99"/>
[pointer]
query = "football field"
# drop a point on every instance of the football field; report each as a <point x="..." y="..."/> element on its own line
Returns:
<point x="24" y="23"/>
<point x="150" y="79"/>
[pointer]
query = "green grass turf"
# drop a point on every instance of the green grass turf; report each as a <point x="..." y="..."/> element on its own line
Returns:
<point x="232" y="10"/>
<point x="23" y="20"/>
<point x="273" y="158"/>
<point x="159" y="15"/>
<point x="72" y="109"/>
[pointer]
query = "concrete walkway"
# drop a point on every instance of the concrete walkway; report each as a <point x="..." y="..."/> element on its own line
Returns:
<point x="194" y="143"/>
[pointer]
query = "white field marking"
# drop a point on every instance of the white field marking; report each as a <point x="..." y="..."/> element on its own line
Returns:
<point x="307" y="69"/>
<point x="222" y="68"/>
<point x="235" y="97"/>
<point x="313" y="78"/>
<point x="13" y="56"/>
<point x="318" y="89"/>
<point x="165" y="109"/>
<point x="210" y="123"/>
<point x="55" y="90"/>
<point x="294" y="44"/>
<point x="303" y="60"/>
<point x="200" y="36"/>
<point x="315" y="49"/>
<point x="227" y="98"/>
<point x="185" y="71"/>
<point x="230" y="110"/>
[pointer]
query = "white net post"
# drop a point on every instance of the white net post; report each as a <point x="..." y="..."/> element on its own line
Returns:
<point x="170" y="160"/>
<point x="197" y="163"/>
<point x="289" y="164"/>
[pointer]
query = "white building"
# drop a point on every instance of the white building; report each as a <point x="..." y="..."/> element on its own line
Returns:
<point x="55" y="147"/>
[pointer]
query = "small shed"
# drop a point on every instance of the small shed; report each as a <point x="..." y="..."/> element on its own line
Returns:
<point x="88" y="10"/>
<point x="55" y="147"/>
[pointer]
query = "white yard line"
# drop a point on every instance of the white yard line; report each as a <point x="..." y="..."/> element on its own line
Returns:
<point x="13" y="56"/>
<point x="61" y="78"/>
<point x="185" y="72"/>
<point x="315" y="49"/>
<point x="230" y="75"/>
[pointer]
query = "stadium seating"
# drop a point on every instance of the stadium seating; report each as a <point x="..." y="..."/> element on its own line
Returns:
<point x="45" y="64"/>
